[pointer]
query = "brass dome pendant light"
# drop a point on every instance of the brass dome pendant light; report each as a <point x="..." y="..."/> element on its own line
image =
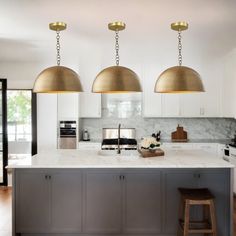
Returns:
<point x="57" y="79"/>
<point x="116" y="79"/>
<point x="179" y="79"/>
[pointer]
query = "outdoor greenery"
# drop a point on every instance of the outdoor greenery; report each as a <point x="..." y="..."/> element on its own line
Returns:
<point x="19" y="106"/>
<point x="19" y="115"/>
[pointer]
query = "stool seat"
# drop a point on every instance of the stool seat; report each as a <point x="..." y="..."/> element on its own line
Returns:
<point x="196" y="194"/>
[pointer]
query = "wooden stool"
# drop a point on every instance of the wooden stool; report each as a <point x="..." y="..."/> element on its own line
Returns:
<point x="204" y="198"/>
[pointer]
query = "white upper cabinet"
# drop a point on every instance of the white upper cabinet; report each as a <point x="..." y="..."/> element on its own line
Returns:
<point x="202" y="104"/>
<point x="229" y="86"/>
<point x="171" y="105"/>
<point x="152" y="102"/>
<point x="191" y="105"/>
<point x="89" y="105"/>
<point x="68" y="106"/>
<point x="211" y="98"/>
<point x="89" y="67"/>
<point x="47" y="122"/>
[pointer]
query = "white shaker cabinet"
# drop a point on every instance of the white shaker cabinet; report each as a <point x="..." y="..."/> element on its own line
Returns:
<point x="171" y="105"/>
<point x="47" y="122"/>
<point x="68" y="106"/>
<point x="191" y="105"/>
<point x="89" y="105"/>
<point x="152" y="102"/>
<point x="229" y="85"/>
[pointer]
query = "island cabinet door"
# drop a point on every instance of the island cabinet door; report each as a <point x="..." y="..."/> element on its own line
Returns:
<point x="172" y="180"/>
<point x="142" y="202"/>
<point x="66" y="201"/>
<point x="218" y="182"/>
<point x="32" y="202"/>
<point x="102" y="202"/>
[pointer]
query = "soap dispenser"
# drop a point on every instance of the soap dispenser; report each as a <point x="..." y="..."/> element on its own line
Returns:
<point x="86" y="135"/>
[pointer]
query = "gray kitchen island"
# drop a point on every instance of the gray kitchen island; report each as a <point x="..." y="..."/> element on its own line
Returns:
<point x="85" y="193"/>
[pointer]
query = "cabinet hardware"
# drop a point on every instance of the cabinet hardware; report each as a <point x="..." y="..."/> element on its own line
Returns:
<point x="46" y="176"/>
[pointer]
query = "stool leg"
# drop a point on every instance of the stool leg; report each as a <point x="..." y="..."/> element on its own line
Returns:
<point x="213" y="217"/>
<point x="186" y="218"/>
<point x="206" y="216"/>
<point x="181" y="214"/>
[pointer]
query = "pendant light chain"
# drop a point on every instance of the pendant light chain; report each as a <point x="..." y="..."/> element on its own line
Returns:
<point x="180" y="48"/>
<point x="58" y="47"/>
<point x="117" y="48"/>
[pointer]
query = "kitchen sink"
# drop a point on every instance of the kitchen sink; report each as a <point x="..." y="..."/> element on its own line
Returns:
<point x="124" y="153"/>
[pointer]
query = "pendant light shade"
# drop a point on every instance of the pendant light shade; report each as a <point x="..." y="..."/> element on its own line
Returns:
<point x="57" y="79"/>
<point x="179" y="79"/>
<point x="116" y="79"/>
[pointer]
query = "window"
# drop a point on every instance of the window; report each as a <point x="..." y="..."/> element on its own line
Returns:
<point x="19" y="115"/>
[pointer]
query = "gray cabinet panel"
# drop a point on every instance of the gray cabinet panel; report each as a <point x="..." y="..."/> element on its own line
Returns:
<point x="218" y="183"/>
<point x="66" y="195"/>
<point x="142" y="202"/>
<point x="32" y="202"/>
<point x="173" y="181"/>
<point x="102" y="202"/>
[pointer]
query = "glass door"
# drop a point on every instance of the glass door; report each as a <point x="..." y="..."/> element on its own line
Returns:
<point x="3" y="132"/>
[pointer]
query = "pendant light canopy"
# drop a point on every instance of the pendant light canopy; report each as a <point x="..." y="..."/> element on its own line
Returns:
<point x="179" y="79"/>
<point x="57" y="79"/>
<point x="116" y="79"/>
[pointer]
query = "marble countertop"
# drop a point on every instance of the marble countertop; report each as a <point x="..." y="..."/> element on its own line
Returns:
<point x="92" y="159"/>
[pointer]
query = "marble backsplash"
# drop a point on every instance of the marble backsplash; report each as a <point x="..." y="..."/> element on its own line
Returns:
<point x="197" y="128"/>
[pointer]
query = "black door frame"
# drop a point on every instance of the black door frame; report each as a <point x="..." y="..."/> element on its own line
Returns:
<point x="4" y="131"/>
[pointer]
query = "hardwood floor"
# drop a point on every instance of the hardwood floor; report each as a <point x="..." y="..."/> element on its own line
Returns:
<point x="5" y="212"/>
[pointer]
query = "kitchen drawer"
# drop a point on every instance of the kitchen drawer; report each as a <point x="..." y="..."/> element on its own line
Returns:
<point x="89" y="146"/>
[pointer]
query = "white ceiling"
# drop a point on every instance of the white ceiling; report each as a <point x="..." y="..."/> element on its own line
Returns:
<point x="24" y="33"/>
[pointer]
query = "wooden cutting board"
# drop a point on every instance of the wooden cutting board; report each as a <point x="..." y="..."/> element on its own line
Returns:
<point x="153" y="153"/>
<point x="180" y="135"/>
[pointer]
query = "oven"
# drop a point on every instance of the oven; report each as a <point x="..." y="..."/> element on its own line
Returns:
<point x="67" y="135"/>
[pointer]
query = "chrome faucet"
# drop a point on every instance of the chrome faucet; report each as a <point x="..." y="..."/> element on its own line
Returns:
<point x="118" y="143"/>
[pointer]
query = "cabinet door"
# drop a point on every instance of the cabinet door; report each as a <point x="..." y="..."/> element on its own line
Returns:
<point x="216" y="182"/>
<point x="142" y="202"/>
<point x="68" y="106"/>
<point x="89" y="105"/>
<point x="46" y="120"/>
<point x="32" y="202"/>
<point x="172" y="181"/>
<point x="171" y="105"/>
<point x="102" y="202"/>
<point x="66" y="195"/>
<point x="191" y="105"/>
<point x="152" y="102"/>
